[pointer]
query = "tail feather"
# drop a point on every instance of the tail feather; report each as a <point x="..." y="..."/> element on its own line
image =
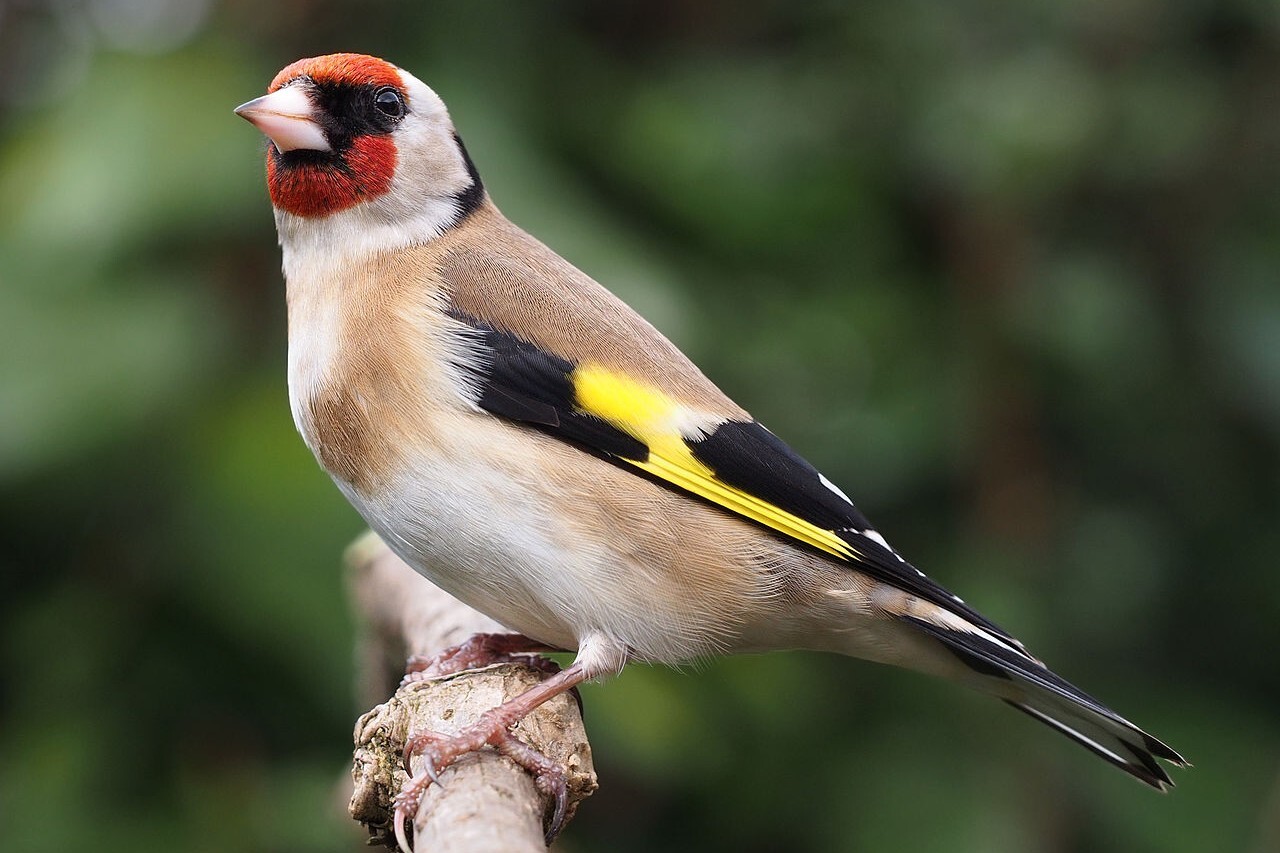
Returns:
<point x="1026" y="684"/>
<point x="1114" y="747"/>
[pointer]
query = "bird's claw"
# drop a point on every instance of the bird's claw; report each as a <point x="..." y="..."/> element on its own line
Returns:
<point x="549" y="777"/>
<point x="406" y="804"/>
<point x="439" y="752"/>
<point x="410" y="797"/>
<point x="420" y="744"/>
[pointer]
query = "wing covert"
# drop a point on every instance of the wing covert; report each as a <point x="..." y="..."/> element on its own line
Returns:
<point x="735" y="464"/>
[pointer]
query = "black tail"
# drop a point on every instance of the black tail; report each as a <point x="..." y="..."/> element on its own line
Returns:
<point x="1025" y="683"/>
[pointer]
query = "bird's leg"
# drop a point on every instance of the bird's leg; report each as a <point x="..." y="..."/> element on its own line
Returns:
<point x="493" y="728"/>
<point x="477" y="652"/>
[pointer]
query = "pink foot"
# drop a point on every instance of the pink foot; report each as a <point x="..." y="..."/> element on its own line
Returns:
<point x="492" y="729"/>
<point x="477" y="652"/>
<point x="441" y="751"/>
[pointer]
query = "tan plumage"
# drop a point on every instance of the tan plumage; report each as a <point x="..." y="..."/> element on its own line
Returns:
<point x="527" y="441"/>
<point x="701" y="581"/>
<point x="497" y="272"/>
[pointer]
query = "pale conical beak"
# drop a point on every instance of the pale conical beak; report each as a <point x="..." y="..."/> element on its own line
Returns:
<point x="288" y="118"/>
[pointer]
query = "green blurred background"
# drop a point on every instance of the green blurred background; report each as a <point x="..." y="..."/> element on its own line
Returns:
<point x="1006" y="272"/>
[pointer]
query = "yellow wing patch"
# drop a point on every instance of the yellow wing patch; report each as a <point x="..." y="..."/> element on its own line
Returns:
<point x="650" y="416"/>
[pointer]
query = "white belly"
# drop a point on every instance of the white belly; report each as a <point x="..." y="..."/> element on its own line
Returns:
<point x="482" y="542"/>
<point x="550" y="560"/>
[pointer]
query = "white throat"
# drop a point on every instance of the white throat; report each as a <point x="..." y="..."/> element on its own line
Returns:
<point x="320" y="246"/>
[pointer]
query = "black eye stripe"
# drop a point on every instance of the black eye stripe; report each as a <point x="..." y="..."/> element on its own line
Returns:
<point x="352" y="111"/>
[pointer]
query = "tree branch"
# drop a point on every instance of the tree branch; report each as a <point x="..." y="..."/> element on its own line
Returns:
<point x="485" y="801"/>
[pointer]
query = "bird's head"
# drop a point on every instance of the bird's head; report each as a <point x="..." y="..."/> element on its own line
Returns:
<point x="353" y="137"/>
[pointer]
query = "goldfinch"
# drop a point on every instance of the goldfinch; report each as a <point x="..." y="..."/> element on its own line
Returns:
<point x="530" y="444"/>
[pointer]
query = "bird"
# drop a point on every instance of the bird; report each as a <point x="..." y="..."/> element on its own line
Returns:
<point x="528" y="442"/>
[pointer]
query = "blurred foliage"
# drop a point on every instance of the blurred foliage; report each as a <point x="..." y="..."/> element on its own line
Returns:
<point x="1007" y="272"/>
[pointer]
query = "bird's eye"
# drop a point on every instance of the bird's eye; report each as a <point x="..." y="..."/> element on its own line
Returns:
<point x="389" y="102"/>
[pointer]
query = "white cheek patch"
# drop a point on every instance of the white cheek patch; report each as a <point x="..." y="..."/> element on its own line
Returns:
<point x="420" y="204"/>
